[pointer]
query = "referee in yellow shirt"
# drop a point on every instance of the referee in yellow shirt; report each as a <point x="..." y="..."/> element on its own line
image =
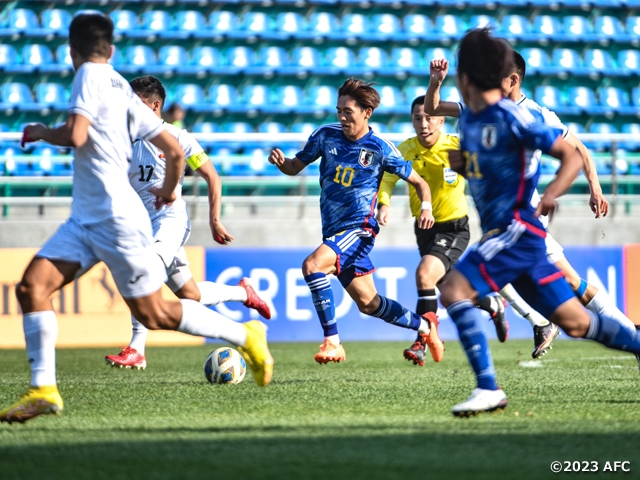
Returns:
<point x="442" y="245"/>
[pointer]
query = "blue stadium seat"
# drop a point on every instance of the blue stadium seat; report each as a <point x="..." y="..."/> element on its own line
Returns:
<point x="254" y="24"/>
<point x="235" y="127"/>
<point x="355" y="25"/>
<point x="320" y="99"/>
<point x="125" y="22"/>
<point x="481" y="21"/>
<point x="205" y="59"/>
<point x="188" y="95"/>
<point x="136" y="59"/>
<point x="437" y="53"/>
<point x="628" y="61"/>
<point x="634" y="129"/>
<point x="613" y="99"/>
<point x="386" y="26"/>
<point x="450" y="94"/>
<point x="412" y="92"/>
<point x="206" y="127"/>
<point x="417" y="26"/>
<point x="634" y="107"/>
<point x="36" y="58"/>
<point x="391" y="100"/>
<point x="8" y="57"/>
<point x="633" y="27"/>
<point x="577" y="29"/>
<point x="156" y="21"/>
<point x="601" y="168"/>
<point x="171" y="58"/>
<point x="545" y="27"/>
<point x="370" y="59"/>
<point x="269" y="59"/>
<point x="564" y="60"/>
<point x="239" y="58"/>
<point x="403" y="127"/>
<point x="535" y="58"/>
<point x="303" y="59"/>
<point x="291" y="24"/>
<point x="599" y="61"/>
<point x="515" y="26"/>
<point x="336" y="60"/>
<point x="552" y="98"/>
<point x="55" y="20"/>
<point x="190" y="22"/>
<point x="608" y="27"/>
<point x="407" y="60"/>
<point x="450" y="26"/>
<point x="323" y="24"/>
<point x="222" y="22"/>
<point x="274" y="128"/>
<point x="222" y="97"/>
<point x="304" y="127"/>
<point x="23" y="20"/>
<point x="583" y="98"/>
<point x="52" y="95"/>
<point x="17" y="96"/>
<point x="255" y="97"/>
<point x="575" y="127"/>
<point x="378" y="127"/>
<point x="63" y="57"/>
<point x="287" y="99"/>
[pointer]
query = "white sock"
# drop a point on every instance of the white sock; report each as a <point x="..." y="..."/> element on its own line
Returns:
<point x="602" y="305"/>
<point x="139" y="336"/>
<point x="40" y="334"/>
<point x="522" y="307"/>
<point x="424" y="326"/>
<point x="214" y="293"/>
<point x="335" y="339"/>
<point x="201" y="321"/>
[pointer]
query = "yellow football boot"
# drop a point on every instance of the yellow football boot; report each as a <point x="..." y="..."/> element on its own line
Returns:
<point x="37" y="401"/>
<point x="256" y="352"/>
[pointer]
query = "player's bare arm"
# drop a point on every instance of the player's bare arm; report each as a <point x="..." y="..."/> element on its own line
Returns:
<point x="174" y="156"/>
<point x="73" y="133"/>
<point x="570" y="164"/>
<point x="599" y="205"/>
<point x="214" y="192"/>
<point x="438" y="70"/>
<point x="426" y="219"/>
<point x="288" y="166"/>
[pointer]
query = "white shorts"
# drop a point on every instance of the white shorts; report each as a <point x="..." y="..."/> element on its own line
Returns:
<point x="555" y="252"/>
<point x="125" y="246"/>
<point x="170" y="234"/>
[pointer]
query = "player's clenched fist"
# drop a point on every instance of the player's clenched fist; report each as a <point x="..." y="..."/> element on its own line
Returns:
<point x="438" y="69"/>
<point x="32" y="133"/>
<point x="276" y="157"/>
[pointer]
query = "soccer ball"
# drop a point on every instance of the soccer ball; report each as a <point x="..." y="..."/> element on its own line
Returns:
<point x="224" y="365"/>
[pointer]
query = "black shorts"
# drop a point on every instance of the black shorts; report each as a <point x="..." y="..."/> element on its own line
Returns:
<point x="446" y="241"/>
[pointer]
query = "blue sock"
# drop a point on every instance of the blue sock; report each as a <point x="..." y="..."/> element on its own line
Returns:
<point x="392" y="312"/>
<point x="613" y="334"/>
<point x="322" y="297"/>
<point x="467" y="319"/>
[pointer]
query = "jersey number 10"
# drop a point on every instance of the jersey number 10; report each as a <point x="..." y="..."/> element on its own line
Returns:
<point x="347" y="175"/>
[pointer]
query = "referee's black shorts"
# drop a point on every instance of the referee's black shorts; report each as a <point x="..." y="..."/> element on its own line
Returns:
<point x="446" y="241"/>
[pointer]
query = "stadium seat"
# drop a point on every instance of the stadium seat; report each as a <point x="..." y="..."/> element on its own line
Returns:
<point x="8" y="57"/>
<point x="535" y="58"/>
<point x="370" y="59"/>
<point x="303" y="60"/>
<point x="239" y="58"/>
<point x="55" y="20"/>
<point x="613" y="99"/>
<point x="52" y="95"/>
<point x="188" y="95"/>
<point x="304" y="127"/>
<point x="63" y="57"/>
<point x="412" y="92"/>
<point x="551" y="98"/>
<point x="450" y="26"/>
<point x="628" y="62"/>
<point x="582" y="98"/>
<point x="403" y="127"/>
<point x="391" y="100"/>
<point x="634" y="129"/>
<point x="437" y="53"/>
<point x="17" y="96"/>
<point x="601" y="168"/>
<point x="577" y="29"/>
<point x="125" y="22"/>
<point x="634" y="107"/>
<point x="206" y="127"/>
<point x="268" y="60"/>
<point x="564" y="60"/>
<point x="515" y="26"/>
<point x="205" y="59"/>
<point x="23" y="20"/>
<point x="417" y="26"/>
<point x="320" y="99"/>
<point x="355" y="25"/>
<point x="156" y="21"/>
<point x="291" y="24"/>
<point x="36" y="58"/>
<point x="378" y="127"/>
<point x="546" y="27"/>
<point x="599" y="61"/>
<point x="481" y="21"/>
<point x="633" y="27"/>
<point x="136" y="59"/>
<point x="607" y="27"/>
<point x="190" y="22"/>
<point x="254" y="97"/>
<point x="386" y="26"/>
<point x="323" y="24"/>
<point x="235" y="127"/>
<point x="407" y="60"/>
<point x="221" y="23"/>
<point x="336" y="60"/>
<point x="222" y="97"/>
<point x="287" y="99"/>
<point x="254" y="24"/>
<point x="450" y="94"/>
<point x="171" y="58"/>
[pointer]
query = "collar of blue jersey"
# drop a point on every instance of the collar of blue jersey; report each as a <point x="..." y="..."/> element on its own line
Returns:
<point x="362" y="139"/>
<point x="522" y="99"/>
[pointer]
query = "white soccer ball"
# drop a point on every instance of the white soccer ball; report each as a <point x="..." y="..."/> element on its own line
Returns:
<point x="224" y="365"/>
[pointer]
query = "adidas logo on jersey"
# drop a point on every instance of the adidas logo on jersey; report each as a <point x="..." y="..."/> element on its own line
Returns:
<point x="333" y="151"/>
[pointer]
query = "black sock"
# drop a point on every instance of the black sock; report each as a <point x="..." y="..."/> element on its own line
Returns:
<point x="427" y="302"/>
<point x="487" y="305"/>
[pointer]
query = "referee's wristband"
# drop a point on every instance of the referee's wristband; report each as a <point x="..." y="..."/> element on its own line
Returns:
<point x="426" y="206"/>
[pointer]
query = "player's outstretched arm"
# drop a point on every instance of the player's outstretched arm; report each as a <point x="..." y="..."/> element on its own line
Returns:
<point x="387" y="185"/>
<point x="570" y="164"/>
<point x="288" y="166"/>
<point x="214" y="192"/>
<point x="438" y="70"/>
<point x="73" y="133"/>
<point x="599" y="205"/>
<point x="174" y="157"/>
<point x="424" y="193"/>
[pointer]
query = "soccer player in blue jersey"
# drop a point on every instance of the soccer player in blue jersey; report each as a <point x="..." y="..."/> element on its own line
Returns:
<point x="495" y="134"/>
<point x="354" y="159"/>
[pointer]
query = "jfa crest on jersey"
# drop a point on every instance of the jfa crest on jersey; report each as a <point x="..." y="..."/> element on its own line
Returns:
<point x="489" y="136"/>
<point x="350" y="174"/>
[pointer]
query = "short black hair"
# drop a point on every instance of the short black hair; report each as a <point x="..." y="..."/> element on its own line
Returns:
<point x="91" y="34"/>
<point x="149" y="88"/>
<point x="521" y="65"/>
<point x="486" y="60"/>
<point x="417" y="101"/>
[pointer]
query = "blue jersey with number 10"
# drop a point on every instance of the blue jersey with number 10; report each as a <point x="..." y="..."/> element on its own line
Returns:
<point x="502" y="178"/>
<point x="350" y="174"/>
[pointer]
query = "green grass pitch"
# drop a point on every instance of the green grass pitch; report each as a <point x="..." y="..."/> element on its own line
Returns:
<point x="375" y="416"/>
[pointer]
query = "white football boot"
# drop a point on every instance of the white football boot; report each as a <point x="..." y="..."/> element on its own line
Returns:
<point x="481" y="401"/>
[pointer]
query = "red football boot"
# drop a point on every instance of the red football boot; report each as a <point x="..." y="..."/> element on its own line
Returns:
<point x="253" y="300"/>
<point x="127" y="358"/>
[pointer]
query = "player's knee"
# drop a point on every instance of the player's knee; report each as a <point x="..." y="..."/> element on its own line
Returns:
<point x="425" y="280"/>
<point x="448" y="295"/>
<point x="367" y="308"/>
<point x="28" y="292"/>
<point x="575" y="325"/>
<point x="309" y="267"/>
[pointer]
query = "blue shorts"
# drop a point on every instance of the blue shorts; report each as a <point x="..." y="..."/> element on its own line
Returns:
<point x="516" y="256"/>
<point x="352" y="248"/>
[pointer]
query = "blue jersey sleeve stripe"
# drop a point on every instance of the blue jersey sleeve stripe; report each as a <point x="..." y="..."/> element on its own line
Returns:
<point x="391" y="145"/>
